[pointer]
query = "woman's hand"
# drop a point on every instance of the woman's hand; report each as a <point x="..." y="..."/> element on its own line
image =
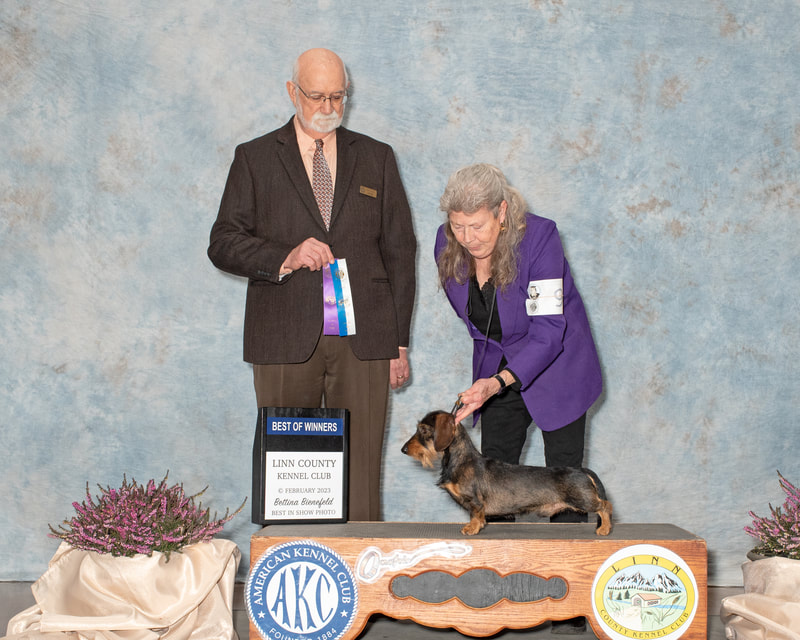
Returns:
<point x="473" y="398"/>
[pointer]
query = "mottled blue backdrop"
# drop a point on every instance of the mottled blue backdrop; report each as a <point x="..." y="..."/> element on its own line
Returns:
<point x="663" y="137"/>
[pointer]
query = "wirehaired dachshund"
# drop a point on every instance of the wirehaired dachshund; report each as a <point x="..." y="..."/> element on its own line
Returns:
<point x="489" y="487"/>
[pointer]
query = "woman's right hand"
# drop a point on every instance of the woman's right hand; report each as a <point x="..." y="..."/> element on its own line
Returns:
<point x="473" y="398"/>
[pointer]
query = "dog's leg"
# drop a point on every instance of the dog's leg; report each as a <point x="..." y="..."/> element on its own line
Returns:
<point x="604" y="512"/>
<point x="476" y="523"/>
<point x="477" y="510"/>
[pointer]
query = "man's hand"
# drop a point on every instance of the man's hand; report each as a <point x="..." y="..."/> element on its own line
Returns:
<point x="399" y="370"/>
<point x="310" y="254"/>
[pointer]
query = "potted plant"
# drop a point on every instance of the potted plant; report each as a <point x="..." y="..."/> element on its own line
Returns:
<point x="140" y="558"/>
<point x="770" y="604"/>
<point x="779" y="533"/>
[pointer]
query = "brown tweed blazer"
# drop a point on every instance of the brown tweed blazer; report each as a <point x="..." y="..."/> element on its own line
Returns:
<point x="268" y="208"/>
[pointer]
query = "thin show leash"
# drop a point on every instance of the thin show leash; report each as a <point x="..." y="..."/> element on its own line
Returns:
<point x="458" y="403"/>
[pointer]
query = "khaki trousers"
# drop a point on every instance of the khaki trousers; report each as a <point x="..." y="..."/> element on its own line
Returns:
<point x="334" y="378"/>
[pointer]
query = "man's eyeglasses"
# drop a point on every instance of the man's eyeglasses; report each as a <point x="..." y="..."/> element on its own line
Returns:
<point x="336" y="99"/>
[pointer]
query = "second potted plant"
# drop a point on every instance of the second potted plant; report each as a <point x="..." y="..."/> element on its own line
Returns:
<point x="770" y="604"/>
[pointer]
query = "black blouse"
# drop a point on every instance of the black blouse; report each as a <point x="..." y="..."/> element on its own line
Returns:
<point x="481" y="308"/>
<point x="480" y="304"/>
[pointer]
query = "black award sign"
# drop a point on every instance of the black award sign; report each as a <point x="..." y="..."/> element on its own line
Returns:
<point x="300" y="465"/>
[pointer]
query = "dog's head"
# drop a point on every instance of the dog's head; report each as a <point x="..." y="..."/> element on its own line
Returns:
<point x="435" y="432"/>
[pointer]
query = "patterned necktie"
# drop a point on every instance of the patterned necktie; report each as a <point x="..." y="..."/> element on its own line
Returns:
<point x="322" y="185"/>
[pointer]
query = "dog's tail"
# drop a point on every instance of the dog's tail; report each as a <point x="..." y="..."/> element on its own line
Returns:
<point x="601" y="490"/>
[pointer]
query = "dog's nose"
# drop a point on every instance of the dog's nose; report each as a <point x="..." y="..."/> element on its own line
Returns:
<point x="405" y="448"/>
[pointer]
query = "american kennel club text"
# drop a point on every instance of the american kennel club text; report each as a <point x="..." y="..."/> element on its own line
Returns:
<point x="302" y="590"/>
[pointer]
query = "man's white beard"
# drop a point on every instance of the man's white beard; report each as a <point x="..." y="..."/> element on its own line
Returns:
<point x="320" y="122"/>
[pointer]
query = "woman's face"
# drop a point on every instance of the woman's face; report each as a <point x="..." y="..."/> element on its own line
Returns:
<point x="477" y="232"/>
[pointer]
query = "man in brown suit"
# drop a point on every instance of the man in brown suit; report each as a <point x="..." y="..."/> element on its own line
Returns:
<point x="273" y="228"/>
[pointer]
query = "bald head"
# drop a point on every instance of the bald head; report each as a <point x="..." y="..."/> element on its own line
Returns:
<point x="319" y="61"/>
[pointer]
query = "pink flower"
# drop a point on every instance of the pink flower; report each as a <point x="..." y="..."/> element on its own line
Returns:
<point x="779" y="535"/>
<point x="140" y="519"/>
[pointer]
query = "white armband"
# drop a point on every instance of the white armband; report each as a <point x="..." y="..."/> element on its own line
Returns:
<point x="545" y="297"/>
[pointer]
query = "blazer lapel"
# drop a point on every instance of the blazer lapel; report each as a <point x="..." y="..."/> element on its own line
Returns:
<point x="459" y="295"/>
<point x="289" y="154"/>
<point x="511" y="309"/>
<point x="346" y="156"/>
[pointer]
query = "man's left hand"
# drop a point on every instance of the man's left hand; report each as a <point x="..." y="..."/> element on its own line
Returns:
<point x="399" y="370"/>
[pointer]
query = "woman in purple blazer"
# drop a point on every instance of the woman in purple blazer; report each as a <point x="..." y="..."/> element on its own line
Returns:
<point x="534" y="359"/>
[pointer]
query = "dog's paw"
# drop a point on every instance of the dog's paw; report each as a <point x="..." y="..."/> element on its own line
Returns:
<point x="604" y="527"/>
<point x="471" y="528"/>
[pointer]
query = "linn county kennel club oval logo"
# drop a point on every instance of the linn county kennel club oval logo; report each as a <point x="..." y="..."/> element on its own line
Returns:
<point x="301" y="590"/>
<point x="644" y="591"/>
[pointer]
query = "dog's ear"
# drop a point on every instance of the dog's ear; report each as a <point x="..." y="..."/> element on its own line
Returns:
<point x="445" y="431"/>
<point x="426" y="431"/>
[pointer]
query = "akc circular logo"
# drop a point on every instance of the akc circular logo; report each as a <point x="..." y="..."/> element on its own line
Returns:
<point x="299" y="590"/>
<point x="644" y="591"/>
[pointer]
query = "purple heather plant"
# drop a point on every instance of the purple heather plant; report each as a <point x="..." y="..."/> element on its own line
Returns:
<point x="779" y="535"/>
<point x="140" y="519"/>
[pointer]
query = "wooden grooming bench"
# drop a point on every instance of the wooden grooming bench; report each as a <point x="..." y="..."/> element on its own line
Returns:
<point x="512" y="575"/>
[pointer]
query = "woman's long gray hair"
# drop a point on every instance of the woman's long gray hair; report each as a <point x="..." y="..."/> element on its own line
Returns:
<point x="469" y="189"/>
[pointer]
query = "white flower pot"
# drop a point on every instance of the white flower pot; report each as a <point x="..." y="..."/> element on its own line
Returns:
<point x="769" y="608"/>
<point x="85" y="595"/>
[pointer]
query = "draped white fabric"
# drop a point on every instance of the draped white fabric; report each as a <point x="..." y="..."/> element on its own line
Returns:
<point x="769" y="609"/>
<point x="85" y="595"/>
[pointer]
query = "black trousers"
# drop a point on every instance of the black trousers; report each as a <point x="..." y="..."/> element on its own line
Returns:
<point x="504" y="429"/>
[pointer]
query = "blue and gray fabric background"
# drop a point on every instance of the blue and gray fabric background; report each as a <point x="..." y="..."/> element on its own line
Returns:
<point x="663" y="138"/>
